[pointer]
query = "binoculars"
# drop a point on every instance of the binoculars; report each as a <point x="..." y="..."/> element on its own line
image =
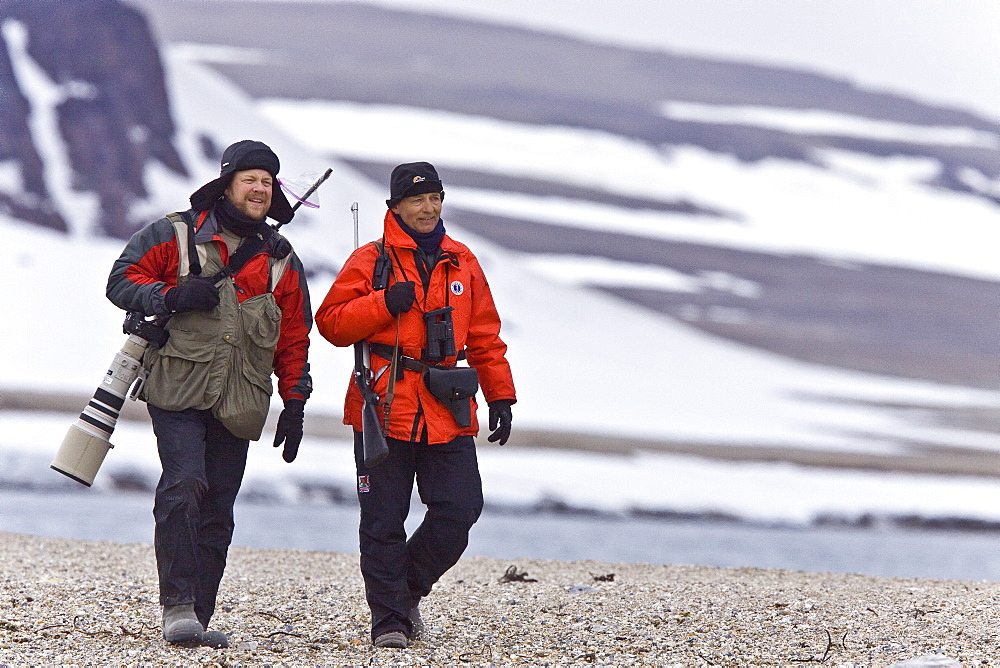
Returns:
<point x="440" y="335"/>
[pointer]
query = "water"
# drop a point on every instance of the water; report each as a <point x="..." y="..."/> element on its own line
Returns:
<point x="878" y="551"/>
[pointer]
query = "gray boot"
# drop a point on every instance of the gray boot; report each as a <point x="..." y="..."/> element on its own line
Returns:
<point x="391" y="639"/>
<point x="181" y="625"/>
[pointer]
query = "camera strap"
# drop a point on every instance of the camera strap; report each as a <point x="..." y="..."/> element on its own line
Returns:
<point x="276" y="245"/>
<point x="253" y="245"/>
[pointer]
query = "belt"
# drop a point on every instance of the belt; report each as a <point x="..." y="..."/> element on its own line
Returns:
<point x="386" y="351"/>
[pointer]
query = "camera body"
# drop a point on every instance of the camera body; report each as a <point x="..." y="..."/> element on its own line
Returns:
<point x="152" y="331"/>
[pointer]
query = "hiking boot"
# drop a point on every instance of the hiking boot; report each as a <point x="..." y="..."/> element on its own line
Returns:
<point x="416" y="623"/>
<point x="391" y="639"/>
<point x="181" y="625"/>
<point x="214" y="639"/>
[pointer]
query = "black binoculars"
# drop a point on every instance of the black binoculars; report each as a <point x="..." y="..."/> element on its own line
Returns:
<point x="440" y="335"/>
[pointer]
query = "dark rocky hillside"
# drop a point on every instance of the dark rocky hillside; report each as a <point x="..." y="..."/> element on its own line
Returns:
<point x="348" y="51"/>
<point x="114" y="115"/>
<point x="114" y="119"/>
<point x="887" y="320"/>
<point x="17" y="144"/>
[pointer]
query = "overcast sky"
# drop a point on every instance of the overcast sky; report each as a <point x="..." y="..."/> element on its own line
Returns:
<point x="941" y="51"/>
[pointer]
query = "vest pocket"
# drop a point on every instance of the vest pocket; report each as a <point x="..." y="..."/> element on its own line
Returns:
<point x="180" y="373"/>
<point x="244" y="405"/>
<point x="264" y="317"/>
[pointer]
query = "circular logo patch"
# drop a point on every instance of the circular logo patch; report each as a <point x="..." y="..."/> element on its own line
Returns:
<point x="457" y="288"/>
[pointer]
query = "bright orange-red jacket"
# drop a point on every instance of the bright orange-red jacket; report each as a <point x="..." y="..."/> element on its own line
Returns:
<point x="353" y="311"/>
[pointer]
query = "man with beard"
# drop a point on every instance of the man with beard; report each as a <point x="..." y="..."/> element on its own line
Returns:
<point x="420" y="301"/>
<point x="234" y="299"/>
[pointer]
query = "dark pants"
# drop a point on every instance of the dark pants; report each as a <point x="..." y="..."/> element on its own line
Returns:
<point x="203" y="465"/>
<point x="399" y="572"/>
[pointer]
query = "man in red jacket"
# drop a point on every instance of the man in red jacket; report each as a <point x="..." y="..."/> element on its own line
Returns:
<point x="435" y="310"/>
<point x="237" y="306"/>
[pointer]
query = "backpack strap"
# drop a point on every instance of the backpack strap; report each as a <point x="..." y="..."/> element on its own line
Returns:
<point x="278" y="266"/>
<point x="189" y="260"/>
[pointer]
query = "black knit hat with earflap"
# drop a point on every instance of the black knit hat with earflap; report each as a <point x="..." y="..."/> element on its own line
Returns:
<point x="238" y="157"/>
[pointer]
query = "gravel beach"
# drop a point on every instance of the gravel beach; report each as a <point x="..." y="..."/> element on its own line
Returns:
<point x="68" y="602"/>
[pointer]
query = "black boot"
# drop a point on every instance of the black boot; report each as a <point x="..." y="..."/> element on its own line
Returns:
<point x="214" y="639"/>
<point x="416" y="623"/>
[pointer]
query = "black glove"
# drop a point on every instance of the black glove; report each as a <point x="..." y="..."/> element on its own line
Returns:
<point x="198" y="294"/>
<point x="500" y="420"/>
<point x="290" y="428"/>
<point x="399" y="297"/>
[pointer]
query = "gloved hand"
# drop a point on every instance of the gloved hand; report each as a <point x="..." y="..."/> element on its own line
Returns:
<point x="399" y="297"/>
<point x="500" y="418"/>
<point x="197" y="294"/>
<point x="290" y="428"/>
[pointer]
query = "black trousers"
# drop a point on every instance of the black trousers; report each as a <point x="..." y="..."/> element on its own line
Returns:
<point x="203" y="466"/>
<point x="399" y="572"/>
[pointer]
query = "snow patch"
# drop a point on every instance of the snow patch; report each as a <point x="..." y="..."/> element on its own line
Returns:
<point x="848" y="208"/>
<point x="574" y="270"/>
<point x="823" y="122"/>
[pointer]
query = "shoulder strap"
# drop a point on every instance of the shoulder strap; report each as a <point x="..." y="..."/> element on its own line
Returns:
<point x="247" y="250"/>
<point x="278" y="266"/>
<point x="188" y="261"/>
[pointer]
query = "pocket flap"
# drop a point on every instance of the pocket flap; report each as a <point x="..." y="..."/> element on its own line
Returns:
<point x="189" y="346"/>
<point x="452" y="383"/>
<point x="257" y="378"/>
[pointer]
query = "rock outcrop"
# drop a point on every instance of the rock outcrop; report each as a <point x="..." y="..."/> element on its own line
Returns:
<point x="111" y="111"/>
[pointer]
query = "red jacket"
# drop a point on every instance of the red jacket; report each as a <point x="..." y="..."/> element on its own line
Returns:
<point x="147" y="268"/>
<point x="352" y="311"/>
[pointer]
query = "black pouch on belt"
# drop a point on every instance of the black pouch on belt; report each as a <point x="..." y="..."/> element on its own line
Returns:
<point x="454" y="387"/>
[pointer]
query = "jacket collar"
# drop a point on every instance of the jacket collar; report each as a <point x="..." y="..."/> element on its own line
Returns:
<point x="395" y="236"/>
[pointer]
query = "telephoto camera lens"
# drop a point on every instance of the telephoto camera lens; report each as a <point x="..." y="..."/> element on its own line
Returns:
<point x="89" y="439"/>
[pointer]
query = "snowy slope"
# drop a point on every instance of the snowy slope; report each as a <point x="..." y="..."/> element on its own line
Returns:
<point x="572" y="350"/>
<point x="573" y="353"/>
<point x="846" y="206"/>
<point x="939" y="52"/>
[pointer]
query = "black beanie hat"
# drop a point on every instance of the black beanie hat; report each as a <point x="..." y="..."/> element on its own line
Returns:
<point x="413" y="178"/>
<point x="238" y="157"/>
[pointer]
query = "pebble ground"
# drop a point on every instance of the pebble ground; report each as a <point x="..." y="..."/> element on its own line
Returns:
<point x="65" y="602"/>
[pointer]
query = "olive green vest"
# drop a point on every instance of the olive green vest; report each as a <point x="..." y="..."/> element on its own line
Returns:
<point x="221" y="359"/>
